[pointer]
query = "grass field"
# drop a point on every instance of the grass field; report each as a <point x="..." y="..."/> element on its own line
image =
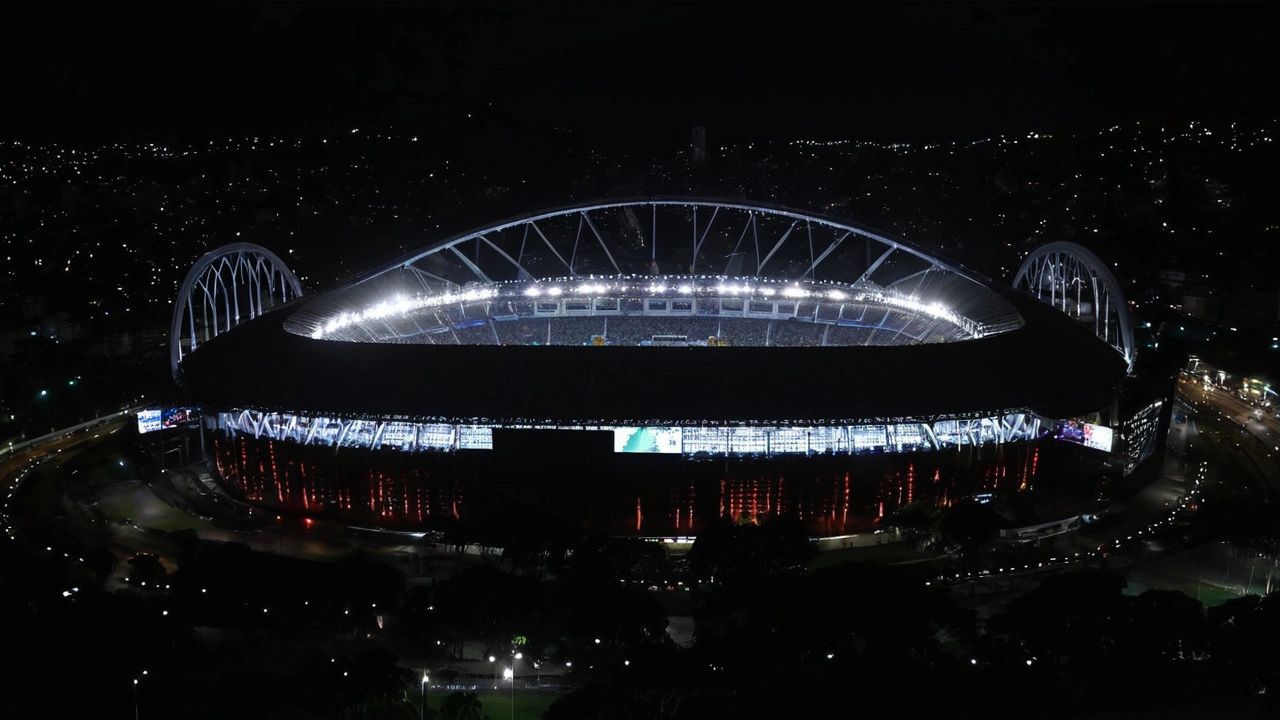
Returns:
<point x="887" y="554"/>
<point x="496" y="704"/>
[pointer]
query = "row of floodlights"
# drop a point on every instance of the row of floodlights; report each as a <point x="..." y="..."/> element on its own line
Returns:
<point x="400" y="305"/>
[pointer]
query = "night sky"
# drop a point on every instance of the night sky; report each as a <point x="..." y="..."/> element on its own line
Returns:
<point x="907" y="71"/>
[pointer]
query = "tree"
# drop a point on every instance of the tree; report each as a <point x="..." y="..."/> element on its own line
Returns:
<point x="779" y="546"/>
<point x="1075" y="620"/>
<point x="1164" y="627"/>
<point x="1240" y="630"/>
<point x="378" y="685"/>
<point x="460" y="706"/>
<point x="922" y="518"/>
<point x="102" y="562"/>
<point x="969" y="525"/>
<point x="146" y="568"/>
<point x="487" y="604"/>
<point x="625" y="616"/>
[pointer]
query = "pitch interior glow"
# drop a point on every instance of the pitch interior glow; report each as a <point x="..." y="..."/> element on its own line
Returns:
<point x="628" y="287"/>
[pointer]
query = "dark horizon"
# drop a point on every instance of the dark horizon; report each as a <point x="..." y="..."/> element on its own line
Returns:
<point x="634" y="72"/>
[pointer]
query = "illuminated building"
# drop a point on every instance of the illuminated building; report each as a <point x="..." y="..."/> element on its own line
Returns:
<point x="795" y="343"/>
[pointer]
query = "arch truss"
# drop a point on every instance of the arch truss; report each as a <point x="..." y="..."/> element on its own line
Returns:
<point x="1077" y="282"/>
<point x="225" y="287"/>
<point x="663" y="239"/>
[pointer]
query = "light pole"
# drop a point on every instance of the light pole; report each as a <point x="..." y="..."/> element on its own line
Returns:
<point x="135" y="695"/>
<point x="514" y="658"/>
<point x="422" y="703"/>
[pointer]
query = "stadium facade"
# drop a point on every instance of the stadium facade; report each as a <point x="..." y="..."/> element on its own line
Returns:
<point x="692" y="357"/>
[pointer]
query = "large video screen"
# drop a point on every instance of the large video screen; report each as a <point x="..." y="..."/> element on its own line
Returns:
<point x="647" y="440"/>
<point x="173" y="417"/>
<point x="1098" y="437"/>
<point x="149" y="421"/>
<point x="154" y="419"/>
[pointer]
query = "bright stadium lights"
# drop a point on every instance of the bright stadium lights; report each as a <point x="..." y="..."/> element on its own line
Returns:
<point x="401" y="306"/>
<point x="716" y="286"/>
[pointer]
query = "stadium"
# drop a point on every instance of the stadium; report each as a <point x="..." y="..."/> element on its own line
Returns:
<point x="647" y="366"/>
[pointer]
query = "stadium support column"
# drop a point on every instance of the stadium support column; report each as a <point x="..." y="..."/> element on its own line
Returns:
<point x="654" y="209"/>
<point x="204" y="457"/>
<point x="200" y="428"/>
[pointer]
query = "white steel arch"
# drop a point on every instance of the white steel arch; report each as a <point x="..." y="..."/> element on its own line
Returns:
<point x="1074" y="280"/>
<point x="665" y="243"/>
<point x="225" y="287"/>
<point x="588" y="234"/>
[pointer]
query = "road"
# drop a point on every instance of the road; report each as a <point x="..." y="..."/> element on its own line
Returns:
<point x="1209" y="571"/>
<point x="129" y="516"/>
<point x="1256" y="431"/>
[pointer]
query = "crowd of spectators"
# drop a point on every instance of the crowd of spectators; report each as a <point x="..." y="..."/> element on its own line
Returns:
<point x="874" y="326"/>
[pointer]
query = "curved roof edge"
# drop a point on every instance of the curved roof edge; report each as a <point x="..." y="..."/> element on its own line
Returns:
<point x="735" y="203"/>
<point x="193" y="277"/>
<point x="1051" y="366"/>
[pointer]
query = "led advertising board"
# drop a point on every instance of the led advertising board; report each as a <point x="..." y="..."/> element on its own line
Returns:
<point x="1098" y="437"/>
<point x="154" y="419"/>
<point x="173" y="417"/>
<point x="149" y="420"/>
<point x="666" y="440"/>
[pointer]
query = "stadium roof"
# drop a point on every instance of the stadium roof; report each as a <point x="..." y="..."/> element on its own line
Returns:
<point x="338" y="353"/>
<point x="1050" y="365"/>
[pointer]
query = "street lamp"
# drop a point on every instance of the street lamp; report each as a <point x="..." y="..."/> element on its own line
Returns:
<point x="510" y="674"/>
<point x="135" y="695"/>
<point x="422" y="703"/>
